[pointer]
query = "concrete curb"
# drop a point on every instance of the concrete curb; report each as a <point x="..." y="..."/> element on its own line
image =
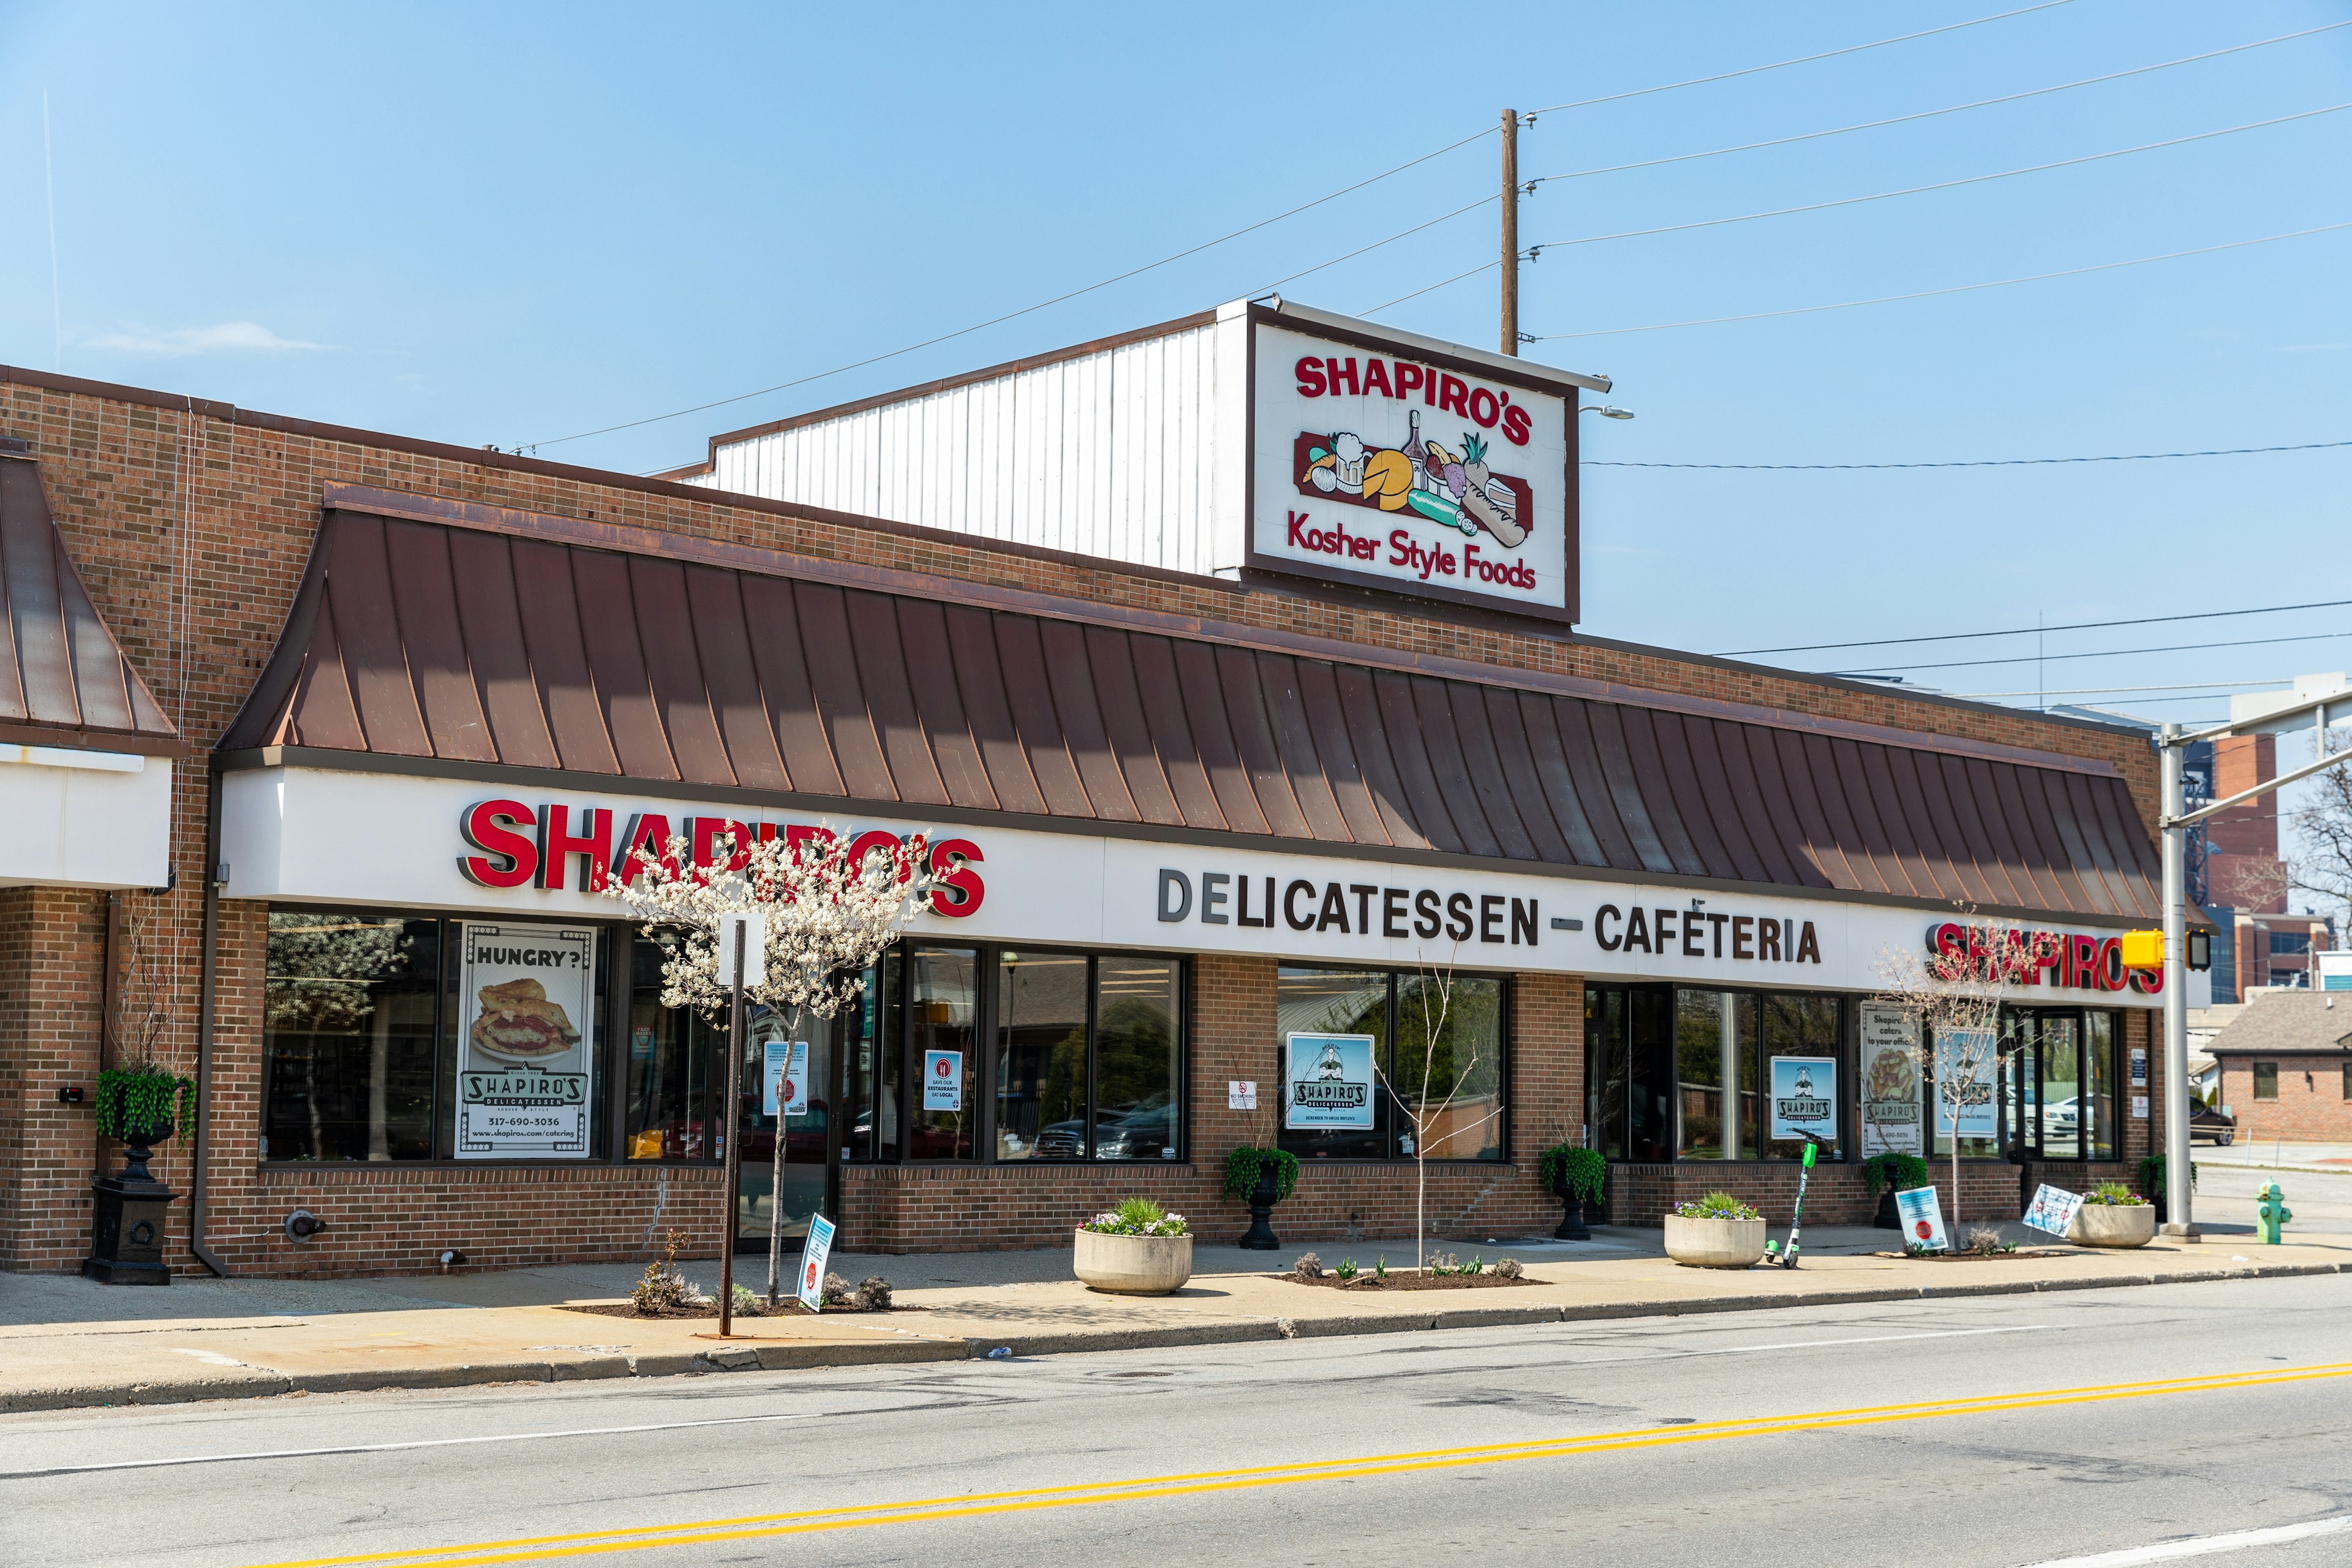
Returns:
<point x="787" y="1357"/>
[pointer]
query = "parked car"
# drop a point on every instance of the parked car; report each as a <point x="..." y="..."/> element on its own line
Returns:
<point x="2208" y="1125"/>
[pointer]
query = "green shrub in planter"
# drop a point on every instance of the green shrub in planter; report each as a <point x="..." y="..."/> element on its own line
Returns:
<point x="1716" y="1205"/>
<point x="1580" y="1171"/>
<point x="1243" y="1165"/>
<point x="1902" y="1172"/>
<point x="2152" y="1175"/>
<point x="143" y="1097"/>
<point x="2113" y="1194"/>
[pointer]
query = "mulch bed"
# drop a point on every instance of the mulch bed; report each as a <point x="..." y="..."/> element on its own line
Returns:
<point x="789" y="1308"/>
<point x="1403" y="1280"/>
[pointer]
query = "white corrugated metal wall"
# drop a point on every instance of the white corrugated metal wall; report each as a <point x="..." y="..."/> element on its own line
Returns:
<point x="1110" y="454"/>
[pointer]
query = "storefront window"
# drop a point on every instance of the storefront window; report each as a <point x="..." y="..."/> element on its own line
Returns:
<point x="1436" y="1049"/>
<point x="1138" y="1061"/>
<point x="2099" y="1064"/>
<point x="1604" y="1070"/>
<point x="674" y="1072"/>
<point x="350" y="1025"/>
<point x="944" y="1050"/>
<point x="1041" y="1055"/>
<point x="2050" y="1095"/>
<point x="1683" y="1074"/>
<point x="1049" y="1055"/>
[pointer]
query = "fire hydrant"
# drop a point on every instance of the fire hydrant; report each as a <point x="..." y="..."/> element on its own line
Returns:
<point x="2271" y="1213"/>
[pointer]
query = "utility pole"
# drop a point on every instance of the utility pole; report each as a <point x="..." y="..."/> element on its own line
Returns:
<point x="1511" y="232"/>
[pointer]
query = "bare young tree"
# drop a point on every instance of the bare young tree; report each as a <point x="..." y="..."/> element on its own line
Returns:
<point x="1434" y="1000"/>
<point x="2323" y="867"/>
<point x="1955" y="993"/>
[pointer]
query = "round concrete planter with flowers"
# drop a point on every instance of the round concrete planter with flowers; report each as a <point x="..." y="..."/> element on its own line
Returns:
<point x="1135" y="1250"/>
<point x="1717" y="1231"/>
<point x="2114" y="1224"/>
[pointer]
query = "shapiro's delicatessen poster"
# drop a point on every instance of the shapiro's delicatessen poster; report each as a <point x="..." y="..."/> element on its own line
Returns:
<point x="526" y="1017"/>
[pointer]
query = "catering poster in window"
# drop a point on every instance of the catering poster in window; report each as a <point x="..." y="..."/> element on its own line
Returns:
<point x="1890" y="1081"/>
<point x="1804" y="1099"/>
<point x="527" y="1009"/>
<point x="1967" y="1058"/>
<point x="1328" y="1080"/>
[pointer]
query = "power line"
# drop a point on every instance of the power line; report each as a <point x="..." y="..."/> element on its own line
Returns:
<point x="1933" y="113"/>
<point x="1801" y="60"/>
<point x="1930" y="293"/>
<point x="1027" y="309"/>
<point x="1941" y="185"/>
<point x="1482" y="267"/>
<point x="2029" y="631"/>
<point x="1989" y="462"/>
<point x="2220" y="687"/>
<point x="1432" y="223"/>
<point x="2110" y="653"/>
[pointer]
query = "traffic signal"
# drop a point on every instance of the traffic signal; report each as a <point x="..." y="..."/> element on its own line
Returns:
<point x="2142" y="949"/>
<point x="2200" y="948"/>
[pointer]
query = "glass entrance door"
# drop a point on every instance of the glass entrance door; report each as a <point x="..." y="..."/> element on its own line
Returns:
<point x="2042" y="1086"/>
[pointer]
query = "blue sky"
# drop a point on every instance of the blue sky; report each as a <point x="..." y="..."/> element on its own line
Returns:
<point x="509" y="224"/>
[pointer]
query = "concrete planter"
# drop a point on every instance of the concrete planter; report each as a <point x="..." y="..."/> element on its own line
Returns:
<point x="1133" y="1265"/>
<point x="1714" y="1243"/>
<point x="2114" y="1224"/>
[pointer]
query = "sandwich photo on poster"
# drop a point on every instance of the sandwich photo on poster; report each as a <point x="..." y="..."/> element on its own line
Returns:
<point x="527" y="1009"/>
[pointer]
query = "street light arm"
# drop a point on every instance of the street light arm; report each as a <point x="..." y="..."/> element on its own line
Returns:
<point x="2191" y="819"/>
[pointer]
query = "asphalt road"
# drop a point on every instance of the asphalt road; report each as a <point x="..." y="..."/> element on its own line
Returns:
<point x="2010" y="1430"/>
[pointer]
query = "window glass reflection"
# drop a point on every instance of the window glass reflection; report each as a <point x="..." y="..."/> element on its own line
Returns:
<point x="1137" y="1059"/>
<point x="944" y="1042"/>
<point x="1041" y="1055"/>
<point x="349" y="1008"/>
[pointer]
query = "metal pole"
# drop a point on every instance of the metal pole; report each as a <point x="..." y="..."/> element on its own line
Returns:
<point x="1511" y="232"/>
<point x="734" y="1159"/>
<point x="2175" y="982"/>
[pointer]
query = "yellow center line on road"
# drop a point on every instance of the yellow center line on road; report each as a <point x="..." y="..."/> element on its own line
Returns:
<point x="533" y="1549"/>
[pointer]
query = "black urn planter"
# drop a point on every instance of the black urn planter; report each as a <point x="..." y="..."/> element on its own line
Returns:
<point x="127" y="1213"/>
<point x="1571" y="1215"/>
<point x="1260" y="1236"/>
<point x="1887" y="1218"/>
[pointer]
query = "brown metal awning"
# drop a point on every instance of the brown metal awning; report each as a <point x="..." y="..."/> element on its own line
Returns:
<point x="480" y="643"/>
<point x="64" y="680"/>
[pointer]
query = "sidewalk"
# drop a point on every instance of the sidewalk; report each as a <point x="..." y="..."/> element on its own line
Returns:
<point x="65" y="1342"/>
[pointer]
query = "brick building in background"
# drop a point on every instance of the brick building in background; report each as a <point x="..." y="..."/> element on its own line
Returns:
<point x="1186" y="812"/>
<point x="2286" y="1066"/>
<point x="2246" y="891"/>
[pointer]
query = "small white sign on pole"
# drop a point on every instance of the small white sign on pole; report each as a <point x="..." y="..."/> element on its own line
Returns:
<point x="1923" y="1219"/>
<point x="815" y="1254"/>
<point x="749" y="930"/>
<point x="1240" y="1094"/>
<point x="2054" y="1209"/>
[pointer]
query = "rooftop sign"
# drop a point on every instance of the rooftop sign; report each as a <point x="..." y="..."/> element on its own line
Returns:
<point x="1409" y="467"/>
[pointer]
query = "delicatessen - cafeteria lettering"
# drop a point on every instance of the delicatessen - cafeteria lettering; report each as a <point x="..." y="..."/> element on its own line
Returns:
<point x="1352" y="908"/>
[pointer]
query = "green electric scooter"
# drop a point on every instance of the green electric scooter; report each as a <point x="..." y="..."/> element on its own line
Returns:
<point x="1773" y="1252"/>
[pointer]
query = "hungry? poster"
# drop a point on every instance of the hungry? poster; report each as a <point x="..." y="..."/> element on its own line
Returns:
<point x="527" y="1016"/>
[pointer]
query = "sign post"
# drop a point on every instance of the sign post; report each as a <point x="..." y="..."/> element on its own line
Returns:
<point x="743" y="954"/>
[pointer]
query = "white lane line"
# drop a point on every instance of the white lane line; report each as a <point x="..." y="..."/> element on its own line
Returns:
<point x="2205" y="1545"/>
<point x="1870" y="1340"/>
<point x="443" y="1442"/>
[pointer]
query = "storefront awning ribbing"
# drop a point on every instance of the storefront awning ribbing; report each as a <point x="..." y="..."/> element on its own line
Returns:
<point x="64" y="680"/>
<point x="479" y="644"/>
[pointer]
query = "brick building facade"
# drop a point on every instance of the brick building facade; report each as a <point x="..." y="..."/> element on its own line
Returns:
<point x="2286" y="1068"/>
<point x="196" y="525"/>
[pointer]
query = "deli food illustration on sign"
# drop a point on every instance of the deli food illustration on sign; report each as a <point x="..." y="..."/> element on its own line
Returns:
<point x="525" y="1065"/>
<point x="518" y="1020"/>
<point x="1454" y="488"/>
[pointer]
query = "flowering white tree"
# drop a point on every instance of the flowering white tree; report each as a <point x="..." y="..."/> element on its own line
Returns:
<point x="1957" y="993"/>
<point x="831" y="908"/>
